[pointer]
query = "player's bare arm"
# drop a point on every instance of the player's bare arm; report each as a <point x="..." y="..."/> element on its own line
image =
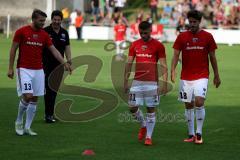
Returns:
<point x="12" y="56"/>
<point x="59" y="57"/>
<point x="164" y="71"/>
<point x="127" y="73"/>
<point x="174" y="64"/>
<point x="68" y="54"/>
<point x="213" y="60"/>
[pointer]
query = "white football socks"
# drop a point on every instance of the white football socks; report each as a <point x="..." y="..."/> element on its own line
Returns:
<point x="189" y="114"/>
<point x="21" y="110"/>
<point x="200" y="116"/>
<point x="30" y="113"/>
<point x="151" y="120"/>
<point x="140" y="118"/>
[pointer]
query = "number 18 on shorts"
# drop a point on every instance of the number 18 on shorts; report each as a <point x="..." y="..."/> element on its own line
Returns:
<point x="191" y="89"/>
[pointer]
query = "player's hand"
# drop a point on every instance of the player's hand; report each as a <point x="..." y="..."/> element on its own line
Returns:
<point x="173" y="76"/>
<point x="69" y="62"/>
<point x="68" y="67"/>
<point x="10" y="73"/>
<point x="126" y="88"/>
<point x="216" y="81"/>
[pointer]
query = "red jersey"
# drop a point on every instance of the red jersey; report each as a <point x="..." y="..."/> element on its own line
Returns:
<point x="31" y="45"/>
<point x="157" y="29"/>
<point x="120" y="32"/>
<point x="195" y="49"/>
<point x="147" y="55"/>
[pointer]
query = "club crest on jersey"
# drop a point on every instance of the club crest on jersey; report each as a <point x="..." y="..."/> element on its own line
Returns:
<point x="144" y="47"/>
<point x="194" y="40"/>
<point x="35" y="36"/>
<point x="63" y="35"/>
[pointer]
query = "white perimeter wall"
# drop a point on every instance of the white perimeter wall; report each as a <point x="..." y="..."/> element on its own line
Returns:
<point x="106" y="33"/>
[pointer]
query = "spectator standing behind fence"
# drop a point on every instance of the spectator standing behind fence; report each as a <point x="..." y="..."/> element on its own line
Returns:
<point x="102" y="8"/>
<point x="73" y="16"/>
<point x="95" y="10"/>
<point x="164" y="20"/>
<point x="153" y="7"/>
<point x="109" y="4"/>
<point x="65" y="21"/>
<point x="181" y="26"/>
<point x="78" y="24"/>
<point x="119" y="5"/>
<point x="167" y="9"/>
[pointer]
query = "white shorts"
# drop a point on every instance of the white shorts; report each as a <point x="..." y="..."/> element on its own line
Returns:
<point x="30" y="81"/>
<point x="143" y="91"/>
<point x="191" y="89"/>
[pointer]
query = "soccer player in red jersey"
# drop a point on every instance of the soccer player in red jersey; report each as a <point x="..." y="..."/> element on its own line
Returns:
<point x="197" y="47"/>
<point x="30" y="40"/>
<point x="145" y="88"/>
<point x="120" y="33"/>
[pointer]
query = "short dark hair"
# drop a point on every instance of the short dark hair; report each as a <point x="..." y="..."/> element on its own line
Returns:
<point x="144" y="25"/>
<point x="195" y="14"/>
<point x="37" y="12"/>
<point x="57" y="13"/>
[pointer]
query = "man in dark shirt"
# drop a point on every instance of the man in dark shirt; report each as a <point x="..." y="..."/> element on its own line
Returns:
<point x="60" y="40"/>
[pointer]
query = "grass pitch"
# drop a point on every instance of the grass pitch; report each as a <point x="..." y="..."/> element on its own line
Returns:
<point x="114" y="136"/>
